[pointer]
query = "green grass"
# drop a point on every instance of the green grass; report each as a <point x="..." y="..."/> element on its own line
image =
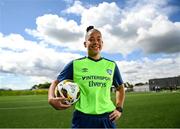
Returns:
<point x="141" y="110"/>
<point x="151" y="110"/>
<point x="23" y="92"/>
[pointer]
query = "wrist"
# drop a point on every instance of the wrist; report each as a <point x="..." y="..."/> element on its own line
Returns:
<point x="120" y="109"/>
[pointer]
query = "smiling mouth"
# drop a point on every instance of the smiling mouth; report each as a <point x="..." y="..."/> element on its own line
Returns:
<point x="95" y="47"/>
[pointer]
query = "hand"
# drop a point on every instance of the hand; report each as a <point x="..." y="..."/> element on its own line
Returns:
<point x="115" y="115"/>
<point x="58" y="103"/>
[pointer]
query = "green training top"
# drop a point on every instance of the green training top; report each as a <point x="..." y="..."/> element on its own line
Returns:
<point x="95" y="80"/>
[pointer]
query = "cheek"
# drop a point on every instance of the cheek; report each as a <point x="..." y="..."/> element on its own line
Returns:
<point x="88" y="44"/>
<point x="101" y="45"/>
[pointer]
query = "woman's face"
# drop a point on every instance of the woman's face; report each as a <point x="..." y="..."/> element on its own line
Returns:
<point x="94" y="43"/>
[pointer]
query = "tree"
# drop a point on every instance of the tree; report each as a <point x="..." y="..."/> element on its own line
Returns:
<point x="45" y="85"/>
<point x="139" y="84"/>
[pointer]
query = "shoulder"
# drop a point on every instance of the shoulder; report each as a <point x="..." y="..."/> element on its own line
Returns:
<point x="71" y="62"/>
<point x="82" y="58"/>
<point x="108" y="60"/>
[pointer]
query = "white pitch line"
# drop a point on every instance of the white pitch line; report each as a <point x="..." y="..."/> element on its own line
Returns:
<point x="27" y="107"/>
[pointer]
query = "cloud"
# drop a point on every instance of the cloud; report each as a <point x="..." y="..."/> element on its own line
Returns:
<point x="76" y="8"/>
<point x="139" y="25"/>
<point x="23" y="57"/>
<point x="144" y="69"/>
<point x="161" y="37"/>
<point x="20" y="82"/>
<point x="129" y="31"/>
<point x="101" y="15"/>
<point x="56" y="30"/>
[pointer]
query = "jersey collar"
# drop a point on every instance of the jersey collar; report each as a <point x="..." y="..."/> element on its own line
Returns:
<point x="94" y="59"/>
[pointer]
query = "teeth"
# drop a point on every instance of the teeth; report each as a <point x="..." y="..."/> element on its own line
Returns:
<point x="95" y="47"/>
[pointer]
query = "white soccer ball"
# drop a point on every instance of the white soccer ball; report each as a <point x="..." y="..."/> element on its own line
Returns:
<point x="69" y="90"/>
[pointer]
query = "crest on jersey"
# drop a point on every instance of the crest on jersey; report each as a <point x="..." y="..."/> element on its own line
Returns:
<point x="109" y="71"/>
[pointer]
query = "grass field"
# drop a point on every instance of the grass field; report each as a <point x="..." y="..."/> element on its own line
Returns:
<point x="141" y="110"/>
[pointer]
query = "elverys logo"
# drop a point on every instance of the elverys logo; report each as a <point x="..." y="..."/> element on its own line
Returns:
<point x="85" y="70"/>
<point x="109" y="71"/>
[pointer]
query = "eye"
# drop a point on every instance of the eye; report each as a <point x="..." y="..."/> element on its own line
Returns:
<point x="91" y="39"/>
<point x="98" y="40"/>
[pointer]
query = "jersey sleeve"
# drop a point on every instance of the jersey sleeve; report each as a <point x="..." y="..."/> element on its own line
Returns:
<point x="117" y="80"/>
<point x="66" y="73"/>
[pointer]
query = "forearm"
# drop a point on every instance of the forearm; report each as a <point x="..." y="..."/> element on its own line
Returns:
<point x="52" y="89"/>
<point x="120" y="96"/>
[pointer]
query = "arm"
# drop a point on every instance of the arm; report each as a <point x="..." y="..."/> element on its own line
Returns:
<point x="57" y="102"/>
<point x="120" y="97"/>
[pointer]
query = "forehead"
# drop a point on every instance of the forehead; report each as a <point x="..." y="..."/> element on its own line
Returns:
<point x="94" y="33"/>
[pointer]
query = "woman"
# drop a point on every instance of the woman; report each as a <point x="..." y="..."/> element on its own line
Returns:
<point x="95" y="75"/>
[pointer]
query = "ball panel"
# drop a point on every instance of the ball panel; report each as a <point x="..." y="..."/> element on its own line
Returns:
<point x="69" y="90"/>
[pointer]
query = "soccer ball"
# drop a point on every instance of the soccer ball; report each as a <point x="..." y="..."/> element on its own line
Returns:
<point x="69" y="90"/>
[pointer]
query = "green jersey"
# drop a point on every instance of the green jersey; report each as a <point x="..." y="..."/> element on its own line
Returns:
<point x="95" y="79"/>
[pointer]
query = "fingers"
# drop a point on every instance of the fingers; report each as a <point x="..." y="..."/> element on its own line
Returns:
<point x="64" y="106"/>
<point x="62" y="100"/>
<point x="59" y="98"/>
<point x="59" y="103"/>
<point x="112" y="116"/>
<point x="115" y="115"/>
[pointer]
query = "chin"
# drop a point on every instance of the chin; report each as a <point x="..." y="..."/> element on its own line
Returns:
<point x="93" y="53"/>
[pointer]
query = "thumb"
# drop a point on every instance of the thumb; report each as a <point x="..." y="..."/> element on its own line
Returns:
<point x="60" y="98"/>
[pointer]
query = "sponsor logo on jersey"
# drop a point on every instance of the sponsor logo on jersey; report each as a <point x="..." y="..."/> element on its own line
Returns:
<point x="96" y="81"/>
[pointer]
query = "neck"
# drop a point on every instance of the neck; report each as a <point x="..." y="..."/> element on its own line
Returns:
<point x="95" y="57"/>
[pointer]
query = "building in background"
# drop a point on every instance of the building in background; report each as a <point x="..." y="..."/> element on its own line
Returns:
<point x="142" y="88"/>
<point x="164" y="83"/>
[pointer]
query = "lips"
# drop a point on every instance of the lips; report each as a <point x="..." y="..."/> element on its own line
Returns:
<point x="95" y="47"/>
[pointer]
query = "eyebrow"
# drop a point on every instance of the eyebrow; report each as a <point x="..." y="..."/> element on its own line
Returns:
<point x="93" y="36"/>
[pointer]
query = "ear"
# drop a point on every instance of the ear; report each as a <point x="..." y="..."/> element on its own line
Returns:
<point x="85" y="44"/>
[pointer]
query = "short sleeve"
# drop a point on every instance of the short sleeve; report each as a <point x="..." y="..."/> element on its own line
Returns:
<point x="66" y="73"/>
<point x="117" y="79"/>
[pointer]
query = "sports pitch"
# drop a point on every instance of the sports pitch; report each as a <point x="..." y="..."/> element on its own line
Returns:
<point x="141" y="110"/>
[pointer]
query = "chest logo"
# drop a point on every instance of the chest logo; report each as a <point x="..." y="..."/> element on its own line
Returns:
<point x="84" y="69"/>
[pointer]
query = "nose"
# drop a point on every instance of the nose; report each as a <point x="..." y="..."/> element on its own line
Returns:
<point x="96" y="42"/>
